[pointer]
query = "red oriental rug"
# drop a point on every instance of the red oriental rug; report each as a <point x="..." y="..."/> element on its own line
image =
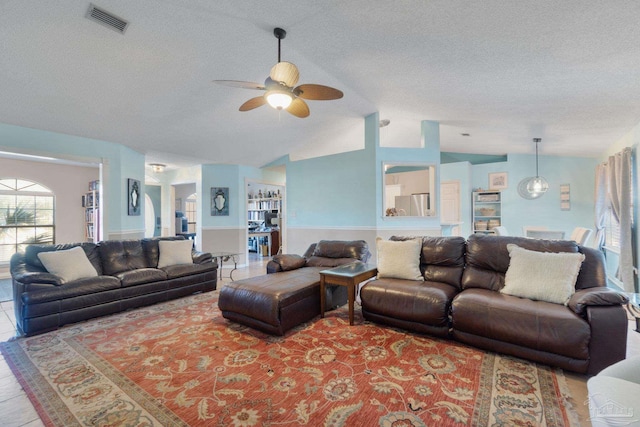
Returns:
<point x="180" y="363"/>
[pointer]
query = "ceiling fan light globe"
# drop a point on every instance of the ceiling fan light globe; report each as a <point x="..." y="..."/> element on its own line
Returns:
<point x="537" y="185"/>
<point x="278" y="99"/>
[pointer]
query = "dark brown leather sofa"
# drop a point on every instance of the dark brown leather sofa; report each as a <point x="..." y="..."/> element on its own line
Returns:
<point x="289" y="294"/>
<point x="128" y="277"/>
<point x="460" y="299"/>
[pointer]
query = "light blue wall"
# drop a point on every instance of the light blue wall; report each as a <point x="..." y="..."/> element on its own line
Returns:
<point x="121" y="163"/>
<point x="333" y="191"/>
<point x="223" y="176"/>
<point x="517" y="212"/>
<point x="234" y="177"/>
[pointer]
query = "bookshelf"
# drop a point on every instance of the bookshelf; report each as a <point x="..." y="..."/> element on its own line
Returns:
<point x="487" y="211"/>
<point x="91" y="205"/>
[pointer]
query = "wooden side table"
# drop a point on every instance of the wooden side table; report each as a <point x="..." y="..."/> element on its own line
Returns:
<point x="349" y="275"/>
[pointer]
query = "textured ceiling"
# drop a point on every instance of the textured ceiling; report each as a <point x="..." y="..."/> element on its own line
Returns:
<point x="502" y="71"/>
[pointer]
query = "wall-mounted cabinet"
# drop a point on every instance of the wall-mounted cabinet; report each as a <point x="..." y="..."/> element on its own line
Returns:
<point x="487" y="211"/>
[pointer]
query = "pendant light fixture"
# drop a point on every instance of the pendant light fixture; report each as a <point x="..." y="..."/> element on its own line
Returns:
<point x="537" y="185"/>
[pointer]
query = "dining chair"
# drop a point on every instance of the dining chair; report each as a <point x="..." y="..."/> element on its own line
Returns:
<point x="546" y="234"/>
<point x="581" y="235"/>
<point x="527" y="228"/>
<point x="500" y="230"/>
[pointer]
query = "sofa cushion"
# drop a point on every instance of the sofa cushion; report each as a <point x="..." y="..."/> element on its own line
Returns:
<point x="355" y="249"/>
<point x="319" y="261"/>
<point x="121" y="255"/>
<point x="399" y="259"/>
<point x="289" y="261"/>
<point x="181" y="270"/>
<point x="152" y="250"/>
<point x="487" y="258"/>
<point x="442" y="258"/>
<point x="143" y="275"/>
<point x="90" y="249"/>
<point x="542" y="276"/>
<point x="71" y="264"/>
<point x="88" y="286"/>
<point x="535" y="325"/>
<point x="174" y="252"/>
<point x="420" y="302"/>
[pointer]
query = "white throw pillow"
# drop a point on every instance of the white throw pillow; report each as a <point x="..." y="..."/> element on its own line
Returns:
<point x="69" y="264"/>
<point x="542" y="276"/>
<point x="399" y="259"/>
<point x="173" y="252"/>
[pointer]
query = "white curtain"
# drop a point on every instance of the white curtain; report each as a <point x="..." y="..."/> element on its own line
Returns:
<point x="619" y="173"/>
<point x="601" y="204"/>
<point x="613" y="188"/>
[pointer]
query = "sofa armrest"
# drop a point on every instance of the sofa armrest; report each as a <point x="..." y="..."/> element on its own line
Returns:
<point x="200" y="257"/>
<point x="285" y="262"/>
<point x="38" y="277"/>
<point x="598" y="296"/>
<point x="608" y="342"/>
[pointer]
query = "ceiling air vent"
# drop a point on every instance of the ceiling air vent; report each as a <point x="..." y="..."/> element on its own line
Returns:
<point x="107" y="19"/>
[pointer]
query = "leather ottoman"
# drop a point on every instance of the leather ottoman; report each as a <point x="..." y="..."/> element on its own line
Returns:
<point x="273" y="303"/>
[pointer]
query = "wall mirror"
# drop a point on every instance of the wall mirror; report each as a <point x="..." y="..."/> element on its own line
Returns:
<point x="408" y="190"/>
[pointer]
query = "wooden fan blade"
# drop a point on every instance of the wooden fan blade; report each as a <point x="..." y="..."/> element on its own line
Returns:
<point x="256" y="102"/>
<point x="285" y="72"/>
<point x="240" y="84"/>
<point x="318" y="92"/>
<point x="299" y="108"/>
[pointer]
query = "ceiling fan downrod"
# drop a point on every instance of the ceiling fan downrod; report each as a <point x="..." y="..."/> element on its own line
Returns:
<point x="280" y="34"/>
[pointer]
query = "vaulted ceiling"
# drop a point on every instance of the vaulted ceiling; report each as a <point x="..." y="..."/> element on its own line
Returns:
<point x="502" y="72"/>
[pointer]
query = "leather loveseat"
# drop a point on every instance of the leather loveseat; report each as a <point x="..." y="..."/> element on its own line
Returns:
<point x="127" y="277"/>
<point x="460" y="298"/>
<point x="289" y="294"/>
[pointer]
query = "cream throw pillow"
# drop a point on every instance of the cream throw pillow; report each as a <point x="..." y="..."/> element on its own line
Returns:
<point x="173" y="252"/>
<point x="399" y="259"/>
<point x="542" y="276"/>
<point x="69" y="264"/>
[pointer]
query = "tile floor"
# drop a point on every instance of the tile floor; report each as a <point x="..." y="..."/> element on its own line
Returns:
<point x="17" y="410"/>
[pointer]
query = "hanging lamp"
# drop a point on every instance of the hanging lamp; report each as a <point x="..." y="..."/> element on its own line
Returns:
<point x="537" y="185"/>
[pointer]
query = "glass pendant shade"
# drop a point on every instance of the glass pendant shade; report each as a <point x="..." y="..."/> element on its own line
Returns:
<point x="279" y="99"/>
<point x="537" y="185"/>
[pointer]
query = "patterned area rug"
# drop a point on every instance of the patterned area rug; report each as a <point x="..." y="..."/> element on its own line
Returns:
<point x="180" y="363"/>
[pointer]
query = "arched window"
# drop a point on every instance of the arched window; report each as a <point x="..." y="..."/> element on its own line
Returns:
<point x="26" y="216"/>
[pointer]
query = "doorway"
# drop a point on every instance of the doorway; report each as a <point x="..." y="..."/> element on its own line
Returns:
<point x="265" y="221"/>
<point x="450" y="205"/>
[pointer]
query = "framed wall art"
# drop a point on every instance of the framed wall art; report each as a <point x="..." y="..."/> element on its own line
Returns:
<point x="133" y="197"/>
<point x="498" y="181"/>
<point x="220" y="201"/>
<point x="565" y="197"/>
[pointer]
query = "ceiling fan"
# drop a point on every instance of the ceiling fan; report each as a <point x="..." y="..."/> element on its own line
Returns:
<point x="279" y="88"/>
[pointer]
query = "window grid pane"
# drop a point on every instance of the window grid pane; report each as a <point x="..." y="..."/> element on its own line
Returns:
<point x="26" y="216"/>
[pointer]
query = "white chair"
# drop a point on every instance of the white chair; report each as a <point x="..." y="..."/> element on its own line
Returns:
<point x="527" y="228"/>
<point x="581" y="235"/>
<point x="613" y="395"/>
<point x="500" y="231"/>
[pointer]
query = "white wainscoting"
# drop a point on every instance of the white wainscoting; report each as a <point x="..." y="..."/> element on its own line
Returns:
<point x="125" y="235"/>
<point x="225" y="239"/>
